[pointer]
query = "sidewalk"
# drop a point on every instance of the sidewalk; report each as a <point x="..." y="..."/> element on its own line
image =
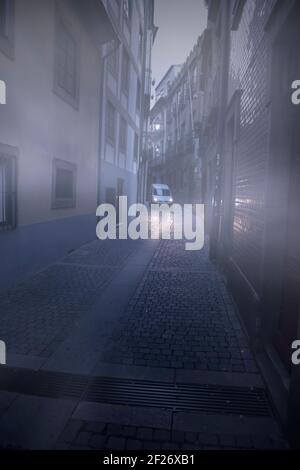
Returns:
<point x="135" y="345"/>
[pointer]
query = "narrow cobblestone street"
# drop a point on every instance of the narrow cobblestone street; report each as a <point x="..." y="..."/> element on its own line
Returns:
<point x="144" y="315"/>
<point x="181" y="317"/>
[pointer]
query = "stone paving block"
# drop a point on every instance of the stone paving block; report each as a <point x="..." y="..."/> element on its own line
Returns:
<point x="208" y="439"/>
<point x="95" y="427"/>
<point x="34" y="422"/>
<point x="97" y="442"/>
<point x="144" y="434"/>
<point x="162" y="435"/>
<point x="71" y="431"/>
<point x="170" y="446"/>
<point x="133" y="444"/>
<point x="6" y="399"/>
<point x="178" y="436"/>
<point x="116" y="443"/>
<point x="227" y="440"/>
<point x="129" y="431"/>
<point x="244" y="442"/>
<point x="150" y="445"/>
<point x="115" y="429"/>
<point x="191" y="437"/>
<point x="83" y="438"/>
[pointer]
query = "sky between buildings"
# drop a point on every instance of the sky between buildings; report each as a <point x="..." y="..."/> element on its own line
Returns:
<point x="180" y="22"/>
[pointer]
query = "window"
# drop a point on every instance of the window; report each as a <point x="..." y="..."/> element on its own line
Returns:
<point x="112" y="59"/>
<point x="110" y="196"/>
<point x="120" y="187"/>
<point x="125" y="72"/>
<point x="67" y="61"/>
<point x="64" y="185"/>
<point x="110" y="123"/>
<point x="123" y="135"/>
<point x="202" y="82"/>
<point x="3" y="17"/>
<point x="7" y="192"/>
<point x="161" y="192"/>
<point x="138" y="96"/>
<point x="127" y="7"/>
<point x="114" y="8"/>
<point x="237" y="12"/>
<point x="136" y="147"/>
<point x="7" y="27"/>
<point x="140" y="43"/>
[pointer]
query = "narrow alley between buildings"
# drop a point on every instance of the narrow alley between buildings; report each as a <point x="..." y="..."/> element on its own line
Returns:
<point x="112" y="337"/>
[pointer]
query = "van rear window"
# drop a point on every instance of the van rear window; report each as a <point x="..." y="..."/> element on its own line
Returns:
<point x="161" y="192"/>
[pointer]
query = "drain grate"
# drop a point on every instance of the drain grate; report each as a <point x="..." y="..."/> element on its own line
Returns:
<point x="180" y="397"/>
<point x="177" y="397"/>
<point x="43" y="383"/>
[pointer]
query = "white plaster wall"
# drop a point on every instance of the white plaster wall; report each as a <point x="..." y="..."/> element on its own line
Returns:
<point x="39" y="123"/>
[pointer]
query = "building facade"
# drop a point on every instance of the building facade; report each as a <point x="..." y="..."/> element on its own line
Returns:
<point x="252" y="141"/>
<point x="183" y="123"/>
<point x="158" y="142"/>
<point x="150" y="35"/>
<point x="175" y="129"/>
<point x="77" y="93"/>
<point x="162" y="89"/>
<point x="126" y="92"/>
<point x="49" y="133"/>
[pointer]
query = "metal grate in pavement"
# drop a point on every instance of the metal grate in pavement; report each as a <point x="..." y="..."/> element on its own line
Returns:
<point x="180" y="397"/>
<point x="43" y="383"/>
<point x="204" y="398"/>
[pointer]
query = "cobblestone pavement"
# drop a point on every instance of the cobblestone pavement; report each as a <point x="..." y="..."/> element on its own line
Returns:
<point x="181" y="317"/>
<point x="79" y="434"/>
<point x="178" y="322"/>
<point x="38" y="314"/>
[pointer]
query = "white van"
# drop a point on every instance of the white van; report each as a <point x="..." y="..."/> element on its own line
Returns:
<point x="160" y="194"/>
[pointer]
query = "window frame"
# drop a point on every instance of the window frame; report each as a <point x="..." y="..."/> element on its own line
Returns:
<point x="127" y="11"/>
<point x="136" y="148"/>
<point x="60" y="90"/>
<point x="110" y="138"/>
<point x="138" y="103"/>
<point x="125" y="73"/>
<point x="123" y="135"/>
<point x="10" y="154"/>
<point x="7" y="39"/>
<point x="63" y="203"/>
<point x="113" y="60"/>
<point x="141" y="43"/>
